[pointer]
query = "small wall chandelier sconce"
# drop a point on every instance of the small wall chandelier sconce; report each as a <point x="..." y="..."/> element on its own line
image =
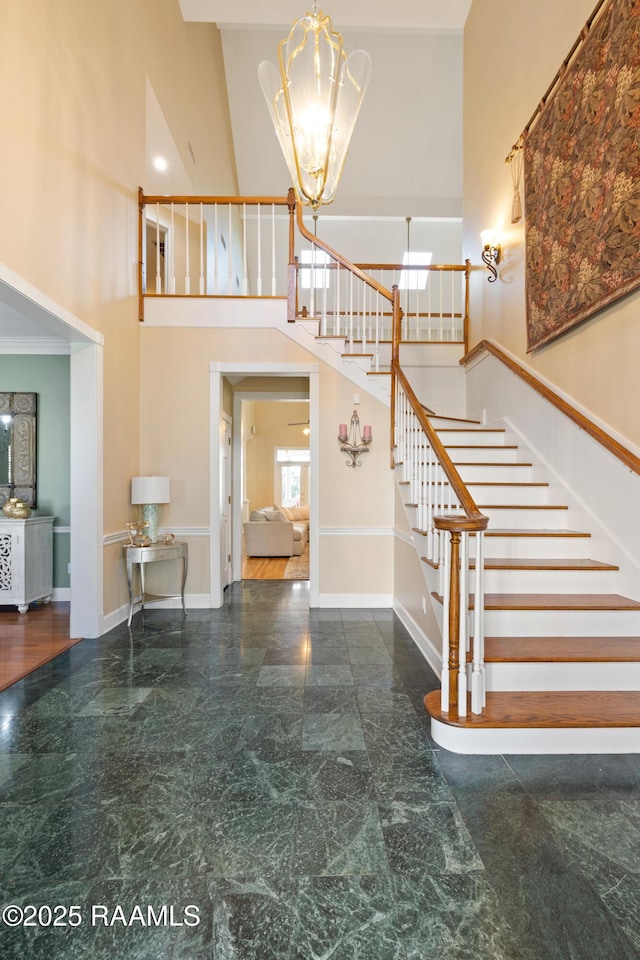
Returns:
<point x="491" y="253"/>
<point x="352" y="441"/>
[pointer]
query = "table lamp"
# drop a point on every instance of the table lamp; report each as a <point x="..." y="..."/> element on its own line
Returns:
<point x="150" y="491"/>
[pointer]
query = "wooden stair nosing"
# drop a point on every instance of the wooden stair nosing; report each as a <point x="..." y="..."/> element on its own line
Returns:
<point x="561" y="649"/>
<point x="553" y="601"/>
<point x="546" y="709"/>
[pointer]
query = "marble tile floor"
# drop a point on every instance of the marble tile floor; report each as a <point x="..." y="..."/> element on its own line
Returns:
<point x="271" y="766"/>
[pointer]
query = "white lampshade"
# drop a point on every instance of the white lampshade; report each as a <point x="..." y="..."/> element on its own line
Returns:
<point x="150" y="490"/>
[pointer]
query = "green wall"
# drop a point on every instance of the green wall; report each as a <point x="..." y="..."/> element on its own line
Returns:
<point x="48" y="376"/>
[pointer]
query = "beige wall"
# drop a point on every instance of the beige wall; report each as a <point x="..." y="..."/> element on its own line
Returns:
<point x="73" y="124"/>
<point x="175" y="442"/>
<point x="511" y="54"/>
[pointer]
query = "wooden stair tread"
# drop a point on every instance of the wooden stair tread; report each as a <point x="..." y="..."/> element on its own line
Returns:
<point x="490" y="463"/>
<point x="465" y="430"/>
<point x="521" y="506"/>
<point x="504" y="483"/>
<point x="562" y="649"/>
<point x="481" y="446"/>
<point x="501" y="532"/>
<point x="378" y="373"/>
<point x="551" y="709"/>
<point x="544" y="563"/>
<point x="554" y="601"/>
<point x="346" y="356"/>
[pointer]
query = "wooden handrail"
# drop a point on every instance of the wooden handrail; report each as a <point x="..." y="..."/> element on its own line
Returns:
<point x="478" y="521"/>
<point x="351" y="267"/>
<point x="234" y="201"/>
<point x="629" y="459"/>
<point x="453" y="267"/>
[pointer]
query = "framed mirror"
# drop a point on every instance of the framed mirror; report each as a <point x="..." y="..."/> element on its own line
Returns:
<point x="18" y="447"/>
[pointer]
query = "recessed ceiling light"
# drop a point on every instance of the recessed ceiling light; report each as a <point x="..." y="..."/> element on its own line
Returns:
<point x="160" y="163"/>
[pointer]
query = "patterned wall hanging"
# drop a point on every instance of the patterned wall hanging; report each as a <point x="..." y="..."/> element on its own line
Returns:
<point x="582" y="180"/>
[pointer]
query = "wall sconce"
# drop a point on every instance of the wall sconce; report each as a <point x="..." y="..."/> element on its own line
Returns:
<point x="150" y="491"/>
<point x="491" y="253"/>
<point x="352" y="441"/>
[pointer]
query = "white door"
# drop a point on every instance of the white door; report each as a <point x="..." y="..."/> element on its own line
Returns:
<point x="226" y="574"/>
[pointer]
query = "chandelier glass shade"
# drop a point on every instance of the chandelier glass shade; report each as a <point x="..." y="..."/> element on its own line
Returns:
<point x="314" y="99"/>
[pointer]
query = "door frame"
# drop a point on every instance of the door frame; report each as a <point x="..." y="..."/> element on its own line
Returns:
<point x="217" y="373"/>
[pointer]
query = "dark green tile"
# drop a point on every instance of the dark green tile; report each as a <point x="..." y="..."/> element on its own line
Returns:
<point x="339" y="838"/>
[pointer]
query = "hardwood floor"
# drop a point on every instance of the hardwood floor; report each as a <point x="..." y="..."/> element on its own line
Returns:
<point x="28" y="640"/>
<point x="264" y="568"/>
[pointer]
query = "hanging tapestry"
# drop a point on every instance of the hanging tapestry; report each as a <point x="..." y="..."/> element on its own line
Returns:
<point x="582" y="181"/>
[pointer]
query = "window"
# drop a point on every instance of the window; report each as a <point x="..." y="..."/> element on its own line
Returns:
<point x="292" y="476"/>
<point x="318" y="259"/>
<point x="414" y="279"/>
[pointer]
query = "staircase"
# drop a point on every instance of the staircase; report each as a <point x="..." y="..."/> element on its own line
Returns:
<point x="562" y="644"/>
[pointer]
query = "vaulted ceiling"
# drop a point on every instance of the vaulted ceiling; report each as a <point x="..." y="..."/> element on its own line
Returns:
<point x="406" y="152"/>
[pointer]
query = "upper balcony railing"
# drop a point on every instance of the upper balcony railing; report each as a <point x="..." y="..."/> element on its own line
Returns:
<point x="250" y="247"/>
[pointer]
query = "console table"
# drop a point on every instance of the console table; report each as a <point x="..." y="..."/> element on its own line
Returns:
<point x="141" y="556"/>
<point x="26" y="560"/>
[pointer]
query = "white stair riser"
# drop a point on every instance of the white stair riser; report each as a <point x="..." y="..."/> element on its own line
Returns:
<point x="488" y="454"/>
<point x="562" y="623"/>
<point x="549" y="581"/>
<point x="511" y="677"/>
<point x="522" y="547"/>
<point x="509" y="473"/>
<point x="505" y="494"/>
<point x="444" y="423"/>
<point x="473" y="438"/>
<point x="511" y="518"/>
<point x="536" y="740"/>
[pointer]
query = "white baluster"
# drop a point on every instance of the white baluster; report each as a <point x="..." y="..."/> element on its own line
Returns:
<point x="187" y="275"/>
<point x="312" y="274"/>
<point x="273" y="250"/>
<point x="158" y="274"/>
<point x="453" y="312"/>
<point x="324" y="292"/>
<point x="463" y="639"/>
<point x="245" y="276"/>
<point x="259" y="277"/>
<point x="201" y="288"/>
<point x="337" y="323"/>
<point x="429" y="305"/>
<point x="172" y="282"/>
<point x="229" y="252"/>
<point x="215" y="248"/>
<point x="350" y="312"/>
<point x="441" y="337"/>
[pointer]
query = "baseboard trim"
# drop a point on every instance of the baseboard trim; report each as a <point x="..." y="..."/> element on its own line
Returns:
<point x="419" y="637"/>
<point x="355" y="600"/>
<point x="61" y="595"/>
<point x="193" y="601"/>
<point x="536" y="740"/>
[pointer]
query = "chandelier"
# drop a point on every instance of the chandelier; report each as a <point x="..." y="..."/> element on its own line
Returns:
<point x="314" y="100"/>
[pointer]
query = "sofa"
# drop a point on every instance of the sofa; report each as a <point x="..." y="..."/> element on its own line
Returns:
<point x="277" y="532"/>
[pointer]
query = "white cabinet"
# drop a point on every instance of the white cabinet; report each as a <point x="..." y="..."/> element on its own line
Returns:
<point x="26" y="561"/>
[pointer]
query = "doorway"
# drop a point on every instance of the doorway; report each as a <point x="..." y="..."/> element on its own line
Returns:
<point x="221" y="374"/>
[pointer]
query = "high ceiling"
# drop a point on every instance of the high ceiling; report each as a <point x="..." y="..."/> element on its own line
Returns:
<point x="402" y="15"/>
